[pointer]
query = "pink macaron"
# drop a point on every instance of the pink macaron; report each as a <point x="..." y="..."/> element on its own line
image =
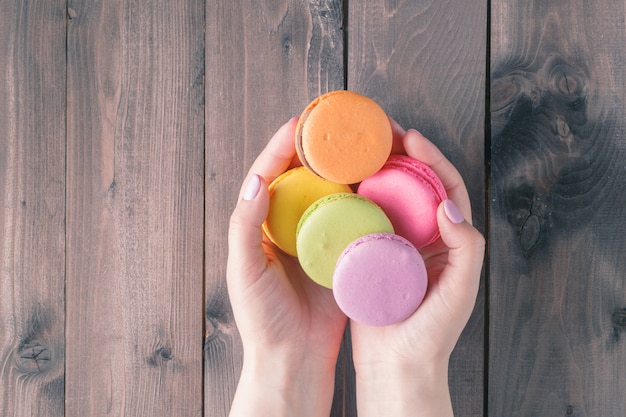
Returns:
<point x="380" y="279"/>
<point x="409" y="192"/>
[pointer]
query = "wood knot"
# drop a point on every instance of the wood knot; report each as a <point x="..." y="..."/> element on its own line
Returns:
<point x="160" y="356"/>
<point x="33" y="357"/>
<point x="567" y="82"/>
<point x="530" y="233"/>
<point x="286" y="43"/>
<point x="164" y="353"/>
<point x="218" y="316"/>
<point x="561" y="128"/>
<point x="619" y="319"/>
<point x="528" y="213"/>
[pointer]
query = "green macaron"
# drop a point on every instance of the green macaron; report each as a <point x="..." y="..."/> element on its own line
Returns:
<point x="329" y="225"/>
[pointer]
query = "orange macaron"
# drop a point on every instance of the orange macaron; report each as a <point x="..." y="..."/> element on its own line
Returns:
<point x="344" y="137"/>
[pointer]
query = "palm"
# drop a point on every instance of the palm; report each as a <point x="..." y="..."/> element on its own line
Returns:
<point x="284" y="306"/>
<point x="424" y="332"/>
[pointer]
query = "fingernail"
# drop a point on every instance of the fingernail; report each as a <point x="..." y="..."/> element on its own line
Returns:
<point x="252" y="187"/>
<point x="452" y="212"/>
<point x="414" y="131"/>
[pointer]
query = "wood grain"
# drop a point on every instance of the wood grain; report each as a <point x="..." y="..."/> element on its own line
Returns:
<point x="126" y="129"/>
<point x="265" y="61"/>
<point x="558" y="293"/>
<point x="32" y="208"/>
<point x="424" y="63"/>
<point x="135" y="208"/>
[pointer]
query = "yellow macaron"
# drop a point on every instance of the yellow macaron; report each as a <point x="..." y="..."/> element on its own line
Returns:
<point x="290" y="195"/>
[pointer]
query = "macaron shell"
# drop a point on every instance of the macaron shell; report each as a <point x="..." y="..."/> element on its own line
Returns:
<point x="290" y="195"/>
<point x="380" y="280"/>
<point x="409" y="192"/>
<point x="329" y="226"/>
<point x="344" y="137"/>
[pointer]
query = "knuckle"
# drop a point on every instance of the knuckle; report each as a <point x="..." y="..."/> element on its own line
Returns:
<point x="477" y="240"/>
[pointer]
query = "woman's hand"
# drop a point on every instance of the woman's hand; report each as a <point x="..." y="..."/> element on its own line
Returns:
<point x="291" y="328"/>
<point x="402" y="369"/>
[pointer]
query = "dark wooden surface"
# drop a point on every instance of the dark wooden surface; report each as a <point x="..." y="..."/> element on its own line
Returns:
<point x="126" y="129"/>
<point x="557" y="295"/>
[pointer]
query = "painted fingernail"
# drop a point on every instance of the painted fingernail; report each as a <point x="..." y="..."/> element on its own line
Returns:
<point x="453" y="212"/>
<point x="413" y="130"/>
<point x="252" y="188"/>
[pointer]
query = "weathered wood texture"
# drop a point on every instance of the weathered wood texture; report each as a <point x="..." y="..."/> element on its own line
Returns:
<point x="135" y="144"/>
<point x="265" y="60"/>
<point x="121" y="158"/>
<point x="32" y="208"/>
<point x="557" y="287"/>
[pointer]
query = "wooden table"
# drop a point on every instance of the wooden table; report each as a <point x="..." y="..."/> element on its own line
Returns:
<point x="126" y="128"/>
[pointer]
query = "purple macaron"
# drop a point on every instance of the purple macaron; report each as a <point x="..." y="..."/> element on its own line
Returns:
<point x="380" y="279"/>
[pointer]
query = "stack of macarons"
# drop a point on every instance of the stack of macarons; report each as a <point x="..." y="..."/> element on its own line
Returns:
<point x="353" y="214"/>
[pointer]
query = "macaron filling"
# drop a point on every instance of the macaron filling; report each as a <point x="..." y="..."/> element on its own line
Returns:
<point x="303" y="117"/>
<point x="420" y="171"/>
<point x="343" y="136"/>
<point x="409" y="192"/>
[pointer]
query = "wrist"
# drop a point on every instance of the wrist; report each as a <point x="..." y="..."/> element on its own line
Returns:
<point x="403" y="389"/>
<point x="281" y="383"/>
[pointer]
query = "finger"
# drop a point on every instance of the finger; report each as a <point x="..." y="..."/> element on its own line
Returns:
<point x="418" y="147"/>
<point x="398" y="133"/>
<point x="279" y="153"/>
<point x="466" y="253"/>
<point x="246" y="256"/>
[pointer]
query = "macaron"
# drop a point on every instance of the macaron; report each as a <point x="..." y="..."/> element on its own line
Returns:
<point x="380" y="279"/>
<point x="409" y="192"/>
<point x="343" y="136"/>
<point x="329" y="225"/>
<point x="291" y="194"/>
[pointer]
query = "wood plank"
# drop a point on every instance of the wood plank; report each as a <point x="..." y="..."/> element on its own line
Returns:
<point x="558" y="295"/>
<point x="424" y="62"/>
<point x="135" y="208"/>
<point x="32" y="208"/>
<point x="265" y="61"/>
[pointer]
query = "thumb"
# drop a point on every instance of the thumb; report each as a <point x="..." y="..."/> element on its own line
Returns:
<point x="466" y="247"/>
<point x="246" y="257"/>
